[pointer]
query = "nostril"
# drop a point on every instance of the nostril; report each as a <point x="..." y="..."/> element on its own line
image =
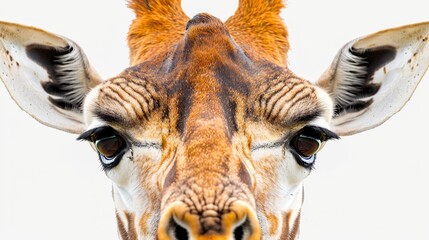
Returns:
<point x="174" y="223"/>
<point x="241" y="230"/>
<point x="179" y="232"/>
<point x="239" y="233"/>
<point x="239" y="223"/>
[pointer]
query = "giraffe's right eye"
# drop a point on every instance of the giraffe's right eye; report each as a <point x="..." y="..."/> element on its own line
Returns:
<point x="110" y="145"/>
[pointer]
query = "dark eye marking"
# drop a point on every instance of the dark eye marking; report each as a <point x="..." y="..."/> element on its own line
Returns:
<point x="269" y="145"/>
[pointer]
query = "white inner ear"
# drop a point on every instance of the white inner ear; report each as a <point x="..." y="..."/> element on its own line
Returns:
<point x="25" y="72"/>
<point x="398" y="78"/>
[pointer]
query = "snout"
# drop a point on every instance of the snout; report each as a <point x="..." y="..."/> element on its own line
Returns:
<point x="237" y="222"/>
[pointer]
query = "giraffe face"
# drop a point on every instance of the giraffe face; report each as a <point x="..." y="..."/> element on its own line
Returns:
<point x="208" y="135"/>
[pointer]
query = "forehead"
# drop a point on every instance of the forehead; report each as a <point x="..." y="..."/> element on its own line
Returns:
<point x="207" y="77"/>
<point x="134" y="98"/>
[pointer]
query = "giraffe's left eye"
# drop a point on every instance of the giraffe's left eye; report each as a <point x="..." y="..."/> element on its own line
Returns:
<point x="307" y="142"/>
<point x="306" y="146"/>
<point x="110" y="145"/>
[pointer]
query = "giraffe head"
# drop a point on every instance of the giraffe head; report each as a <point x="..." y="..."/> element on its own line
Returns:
<point x="208" y="135"/>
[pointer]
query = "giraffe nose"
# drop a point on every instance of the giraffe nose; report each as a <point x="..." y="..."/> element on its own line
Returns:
<point x="239" y="222"/>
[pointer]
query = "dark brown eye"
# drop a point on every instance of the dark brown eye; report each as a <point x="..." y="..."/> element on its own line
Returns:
<point x="307" y="142"/>
<point x="109" y="146"/>
<point x="306" y="146"/>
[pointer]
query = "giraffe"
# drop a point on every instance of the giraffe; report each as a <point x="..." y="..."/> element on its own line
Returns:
<point x="152" y="57"/>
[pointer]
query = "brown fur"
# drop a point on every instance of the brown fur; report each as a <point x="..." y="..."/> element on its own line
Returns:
<point x="159" y="24"/>
<point x="208" y="135"/>
<point x="256" y="26"/>
<point x="196" y="87"/>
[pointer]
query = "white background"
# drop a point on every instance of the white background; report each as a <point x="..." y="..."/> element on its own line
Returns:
<point x="374" y="185"/>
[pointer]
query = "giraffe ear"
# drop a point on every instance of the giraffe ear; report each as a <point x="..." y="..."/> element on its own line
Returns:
<point x="373" y="77"/>
<point x="47" y="75"/>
